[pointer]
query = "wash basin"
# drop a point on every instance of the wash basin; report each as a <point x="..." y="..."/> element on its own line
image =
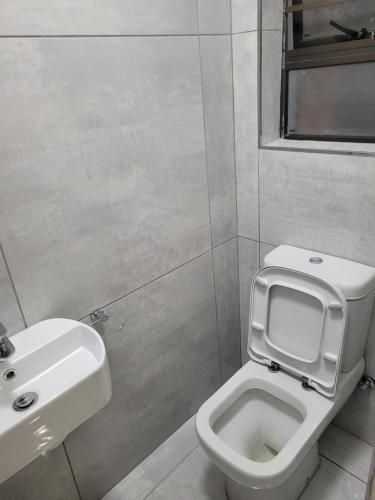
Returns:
<point x="57" y="378"/>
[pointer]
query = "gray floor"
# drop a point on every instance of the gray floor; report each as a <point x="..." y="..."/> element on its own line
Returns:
<point x="179" y="470"/>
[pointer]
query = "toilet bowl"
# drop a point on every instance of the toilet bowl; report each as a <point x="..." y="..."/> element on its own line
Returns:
<point x="259" y="426"/>
<point x="262" y="426"/>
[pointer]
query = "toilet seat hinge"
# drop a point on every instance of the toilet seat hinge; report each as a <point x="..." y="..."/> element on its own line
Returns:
<point x="306" y="384"/>
<point x="274" y="367"/>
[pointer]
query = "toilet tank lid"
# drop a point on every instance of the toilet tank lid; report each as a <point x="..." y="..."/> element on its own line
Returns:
<point x="353" y="279"/>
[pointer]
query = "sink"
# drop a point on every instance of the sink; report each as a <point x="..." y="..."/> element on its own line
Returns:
<point x="57" y="378"/>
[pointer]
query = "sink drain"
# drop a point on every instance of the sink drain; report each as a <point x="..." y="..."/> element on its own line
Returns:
<point x="25" y="401"/>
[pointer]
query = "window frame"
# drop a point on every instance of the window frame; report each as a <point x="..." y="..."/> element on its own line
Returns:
<point x="333" y="54"/>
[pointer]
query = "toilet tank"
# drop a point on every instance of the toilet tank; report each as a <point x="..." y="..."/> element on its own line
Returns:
<point x="356" y="281"/>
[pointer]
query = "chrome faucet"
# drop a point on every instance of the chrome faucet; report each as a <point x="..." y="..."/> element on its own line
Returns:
<point x="6" y="346"/>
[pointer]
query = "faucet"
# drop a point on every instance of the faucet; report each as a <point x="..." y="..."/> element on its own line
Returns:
<point x="6" y="346"/>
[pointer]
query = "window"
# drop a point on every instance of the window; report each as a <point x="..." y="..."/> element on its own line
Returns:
<point x="329" y="70"/>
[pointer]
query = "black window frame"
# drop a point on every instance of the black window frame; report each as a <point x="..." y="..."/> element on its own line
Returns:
<point x="333" y="54"/>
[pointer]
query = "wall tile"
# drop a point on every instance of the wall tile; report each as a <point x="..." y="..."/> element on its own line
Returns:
<point x="370" y="348"/>
<point x="10" y="315"/>
<point x="164" y="365"/>
<point x="371" y="483"/>
<point x="245" y="61"/>
<point x="244" y="15"/>
<point x="272" y="14"/>
<point x="216" y="54"/>
<point x="104" y="185"/>
<point x="46" y="478"/>
<point x="214" y="16"/>
<point x="265" y="248"/>
<point x="357" y="416"/>
<point x="320" y="202"/>
<point x="125" y="17"/>
<point x="228" y="307"/>
<point x="157" y="466"/>
<point x="248" y="265"/>
<point x="271" y="85"/>
<point x="251" y="255"/>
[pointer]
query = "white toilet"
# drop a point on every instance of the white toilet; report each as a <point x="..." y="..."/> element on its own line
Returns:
<point x="309" y="318"/>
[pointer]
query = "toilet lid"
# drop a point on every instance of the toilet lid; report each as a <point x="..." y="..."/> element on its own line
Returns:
<point x="298" y="321"/>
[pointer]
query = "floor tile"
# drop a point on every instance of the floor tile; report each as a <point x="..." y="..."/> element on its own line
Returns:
<point x="347" y="451"/>
<point x="332" y="483"/>
<point x="144" y="478"/>
<point x="195" y="479"/>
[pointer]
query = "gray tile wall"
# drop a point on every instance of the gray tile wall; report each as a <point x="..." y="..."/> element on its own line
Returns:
<point x="11" y="315"/>
<point x="164" y="363"/>
<point x="118" y="190"/>
<point x="245" y="78"/>
<point x="320" y="201"/>
<point x="228" y="307"/>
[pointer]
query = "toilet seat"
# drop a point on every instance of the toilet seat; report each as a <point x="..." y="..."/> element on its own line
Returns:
<point x="316" y="412"/>
<point x="298" y="323"/>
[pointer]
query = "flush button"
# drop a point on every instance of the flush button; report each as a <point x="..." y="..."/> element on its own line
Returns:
<point x="315" y="260"/>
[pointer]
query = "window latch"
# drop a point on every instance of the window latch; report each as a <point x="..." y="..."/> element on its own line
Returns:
<point x="353" y="34"/>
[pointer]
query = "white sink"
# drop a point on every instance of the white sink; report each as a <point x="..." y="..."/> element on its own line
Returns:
<point x="64" y="363"/>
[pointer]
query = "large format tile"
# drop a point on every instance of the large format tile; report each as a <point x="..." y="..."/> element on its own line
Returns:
<point x="214" y="16"/>
<point x="347" y="451"/>
<point x="228" y="307"/>
<point x="10" y="314"/>
<point x="245" y="69"/>
<point x="157" y="466"/>
<point x="272" y="14"/>
<point x="320" y="202"/>
<point x="164" y="365"/>
<point x="47" y="478"/>
<point x="251" y="255"/>
<point x="332" y="483"/>
<point x="216" y="54"/>
<point x="370" y="348"/>
<point x="271" y="85"/>
<point x="112" y="17"/>
<point x="244" y="15"/>
<point x="357" y="416"/>
<point x="371" y="484"/>
<point x="264" y="249"/>
<point x="196" y="478"/>
<point x="248" y="265"/>
<point x="103" y="184"/>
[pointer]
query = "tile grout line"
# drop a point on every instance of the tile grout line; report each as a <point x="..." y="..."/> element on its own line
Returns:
<point x="118" y="35"/>
<point x="2" y="253"/>
<point x="341" y="467"/>
<point x="259" y="111"/>
<point x="108" y="304"/>
<point x="209" y="201"/>
<point x="170" y="472"/>
<point x="205" y="138"/>
<point x="153" y="451"/>
<point x="72" y="471"/>
<point x="233" y="121"/>
<point x="235" y="176"/>
<point x="217" y="323"/>
<point x="353" y="435"/>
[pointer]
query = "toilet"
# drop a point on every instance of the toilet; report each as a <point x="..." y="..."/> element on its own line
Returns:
<point x="309" y="319"/>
